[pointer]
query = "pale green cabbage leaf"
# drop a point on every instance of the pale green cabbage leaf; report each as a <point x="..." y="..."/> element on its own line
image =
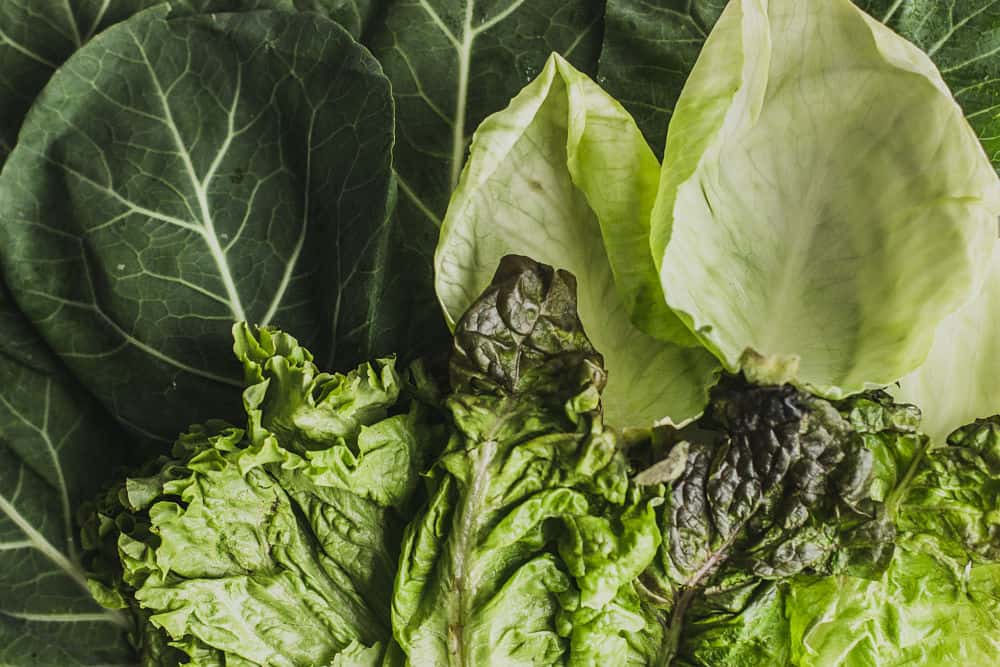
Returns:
<point x="813" y="221"/>
<point x="650" y="46"/>
<point x="563" y="175"/>
<point x="960" y="379"/>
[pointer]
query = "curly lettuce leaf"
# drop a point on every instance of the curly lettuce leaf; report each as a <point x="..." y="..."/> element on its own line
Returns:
<point x="811" y="219"/>
<point x="939" y="601"/>
<point x="564" y="176"/>
<point x="771" y="483"/>
<point x="526" y="552"/>
<point x="274" y="545"/>
<point x="921" y="613"/>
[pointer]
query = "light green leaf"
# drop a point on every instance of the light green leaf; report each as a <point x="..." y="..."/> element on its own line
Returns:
<point x="56" y="446"/>
<point x="938" y="603"/>
<point x="180" y="174"/>
<point x="273" y="545"/>
<point x="564" y="176"/>
<point x="242" y="562"/>
<point x="958" y="382"/>
<point x="650" y="47"/>
<point x="963" y="40"/>
<point x="921" y="613"/>
<point x="810" y="215"/>
<point x="452" y="63"/>
<point x="528" y="548"/>
<point x="333" y="429"/>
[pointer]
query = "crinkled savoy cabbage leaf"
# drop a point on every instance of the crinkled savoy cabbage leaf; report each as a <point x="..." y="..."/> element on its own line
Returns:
<point x="650" y="47"/>
<point x="771" y="483"/>
<point x="825" y="220"/>
<point x="564" y="176"/>
<point x="37" y="37"/>
<point x="275" y="545"/>
<point x="526" y="552"/>
<point x="938" y="602"/>
<point x="56" y="447"/>
<point x="182" y="173"/>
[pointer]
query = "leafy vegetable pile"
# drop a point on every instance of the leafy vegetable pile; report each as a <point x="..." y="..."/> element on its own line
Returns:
<point x="687" y="356"/>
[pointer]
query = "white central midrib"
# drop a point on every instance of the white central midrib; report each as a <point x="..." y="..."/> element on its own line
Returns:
<point x="470" y="510"/>
<point x="39" y="542"/>
<point x="59" y="559"/>
<point x="89" y="617"/>
<point x="464" y="65"/>
<point x="201" y="194"/>
<point x="43" y="433"/>
<point x="286" y="276"/>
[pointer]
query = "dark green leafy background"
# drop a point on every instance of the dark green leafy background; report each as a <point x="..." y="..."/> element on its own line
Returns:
<point x="37" y="37"/>
<point x="51" y="431"/>
<point x="178" y="175"/>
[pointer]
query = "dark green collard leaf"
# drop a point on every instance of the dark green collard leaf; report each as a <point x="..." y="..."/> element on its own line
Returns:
<point x="650" y="47"/>
<point x="56" y="447"/>
<point x="37" y="37"/>
<point x="276" y="545"/>
<point x="528" y="548"/>
<point x="179" y="174"/>
<point x="938" y="603"/>
<point x="452" y="63"/>
<point x="777" y="483"/>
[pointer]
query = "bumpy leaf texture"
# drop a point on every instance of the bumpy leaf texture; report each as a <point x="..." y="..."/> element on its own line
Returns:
<point x="526" y="552"/>
<point x="771" y="483"/>
<point x="182" y="173"/>
<point x="938" y="602"/>
<point x="270" y="545"/>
